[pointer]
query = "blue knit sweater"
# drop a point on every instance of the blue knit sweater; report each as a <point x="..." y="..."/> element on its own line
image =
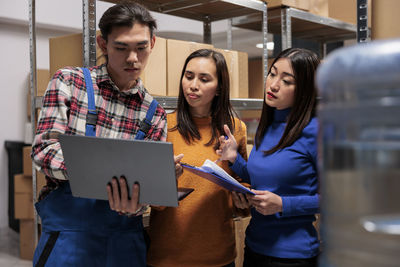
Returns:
<point x="290" y="173"/>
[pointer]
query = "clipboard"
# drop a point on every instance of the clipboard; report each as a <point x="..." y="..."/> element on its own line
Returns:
<point x="91" y="162"/>
<point x="228" y="183"/>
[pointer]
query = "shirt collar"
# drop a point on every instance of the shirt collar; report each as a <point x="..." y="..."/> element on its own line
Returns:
<point x="103" y="77"/>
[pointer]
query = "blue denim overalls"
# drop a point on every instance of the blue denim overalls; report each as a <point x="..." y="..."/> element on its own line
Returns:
<point x="86" y="232"/>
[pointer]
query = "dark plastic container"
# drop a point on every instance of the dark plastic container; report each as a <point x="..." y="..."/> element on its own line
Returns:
<point x="15" y="166"/>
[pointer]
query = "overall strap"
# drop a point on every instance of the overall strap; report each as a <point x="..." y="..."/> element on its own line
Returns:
<point x="91" y="117"/>
<point x="145" y="124"/>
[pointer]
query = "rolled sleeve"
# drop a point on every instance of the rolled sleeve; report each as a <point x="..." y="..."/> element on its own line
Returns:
<point x="299" y="205"/>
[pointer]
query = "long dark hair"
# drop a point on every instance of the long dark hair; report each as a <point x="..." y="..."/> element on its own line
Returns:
<point x="304" y="64"/>
<point x="221" y="109"/>
<point x="126" y="14"/>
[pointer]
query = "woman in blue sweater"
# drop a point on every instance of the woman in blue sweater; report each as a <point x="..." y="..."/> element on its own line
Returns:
<point x="282" y="167"/>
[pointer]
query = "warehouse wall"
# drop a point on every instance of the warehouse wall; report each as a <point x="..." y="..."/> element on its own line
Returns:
<point x="53" y="18"/>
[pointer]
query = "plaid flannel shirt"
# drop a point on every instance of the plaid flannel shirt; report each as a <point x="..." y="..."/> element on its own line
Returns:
<point x="64" y="110"/>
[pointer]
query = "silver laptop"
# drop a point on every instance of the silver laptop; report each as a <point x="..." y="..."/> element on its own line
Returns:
<point x="91" y="163"/>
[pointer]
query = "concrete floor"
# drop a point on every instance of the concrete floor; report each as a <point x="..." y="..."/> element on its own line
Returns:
<point x="9" y="249"/>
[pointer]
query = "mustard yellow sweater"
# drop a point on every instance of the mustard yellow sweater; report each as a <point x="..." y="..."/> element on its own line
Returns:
<point x="200" y="231"/>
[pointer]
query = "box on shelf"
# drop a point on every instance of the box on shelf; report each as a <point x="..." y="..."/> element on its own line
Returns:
<point x="177" y="52"/>
<point x="256" y="77"/>
<point x="26" y="239"/>
<point x="385" y="22"/>
<point x="238" y="72"/>
<point x="300" y="4"/>
<point x="242" y="77"/>
<point x="23" y="199"/>
<point x="346" y="10"/>
<point x="22" y="183"/>
<point x="67" y="51"/>
<point x="27" y="161"/>
<point x="23" y="205"/>
<point x="42" y="81"/>
<point x="319" y="7"/>
<point x="154" y="75"/>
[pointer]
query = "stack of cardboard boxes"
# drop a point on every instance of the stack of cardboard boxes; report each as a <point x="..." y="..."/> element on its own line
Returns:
<point x="23" y="204"/>
<point x="162" y="73"/>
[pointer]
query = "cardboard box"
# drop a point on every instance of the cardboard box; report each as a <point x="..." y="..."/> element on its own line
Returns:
<point x="240" y="77"/>
<point x="154" y="75"/>
<point x="300" y="4"/>
<point x="177" y="52"/>
<point x="67" y="51"/>
<point x="23" y="199"/>
<point x="256" y="77"/>
<point x="385" y="22"/>
<point x="22" y="183"/>
<point x="23" y="205"/>
<point x="26" y="239"/>
<point x="27" y="161"/>
<point x="237" y="63"/>
<point x="319" y="7"/>
<point x="42" y="81"/>
<point x="346" y="10"/>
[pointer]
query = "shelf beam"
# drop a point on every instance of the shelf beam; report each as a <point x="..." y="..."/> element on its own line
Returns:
<point x="252" y="4"/>
<point x="302" y="24"/>
<point x="170" y="102"/>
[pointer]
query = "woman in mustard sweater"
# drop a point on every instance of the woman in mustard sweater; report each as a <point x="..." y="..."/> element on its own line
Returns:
<point x="200" y="232"/>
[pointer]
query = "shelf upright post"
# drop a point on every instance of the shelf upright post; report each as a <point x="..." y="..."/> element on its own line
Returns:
<point x="286" y="28"/>
<point x="89" y="33"/>
<point x="265" y="39"/>
<point x="362" y="21"/>
<point x="33" y="90"/>
<point x="229" y="35"/>
<point x="207" y="30"/>
<point x="324" y="49"/>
